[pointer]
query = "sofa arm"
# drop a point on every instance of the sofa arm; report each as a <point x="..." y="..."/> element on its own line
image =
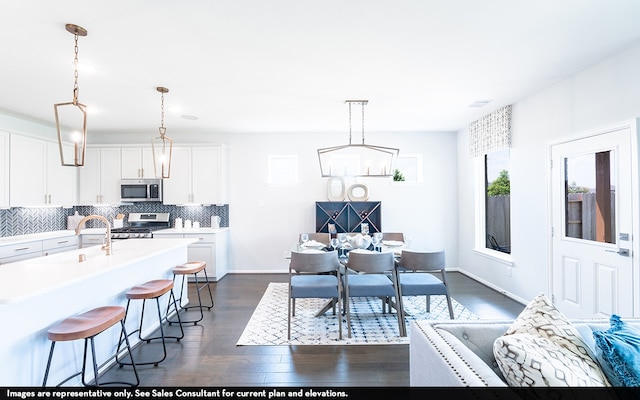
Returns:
<point x="438" y="358"/>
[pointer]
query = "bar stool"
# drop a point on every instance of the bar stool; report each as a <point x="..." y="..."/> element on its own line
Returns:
<point x="151" y="290"/>
<point x="193" y="268"/>
<point x="87" y="326"/>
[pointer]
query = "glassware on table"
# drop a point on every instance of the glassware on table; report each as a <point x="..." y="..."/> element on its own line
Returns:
<point x="407" y="240"/>
<point x="377" y="240"/>
<point x="342" y="238"/>
<point x="304" y="238"/>
<point x="334" y="243"/>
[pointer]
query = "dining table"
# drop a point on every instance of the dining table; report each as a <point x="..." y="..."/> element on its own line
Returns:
<point x="394" y="246"/>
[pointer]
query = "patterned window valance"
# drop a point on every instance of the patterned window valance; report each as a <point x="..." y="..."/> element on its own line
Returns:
<point x="491" y="132"/>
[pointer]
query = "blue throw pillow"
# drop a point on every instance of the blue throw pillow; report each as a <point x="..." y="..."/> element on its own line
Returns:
<point x="618" y="352"/>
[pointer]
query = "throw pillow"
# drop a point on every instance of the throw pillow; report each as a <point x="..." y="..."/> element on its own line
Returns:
<point x="533" y="361"/>
<point x="542" y="319"/>
<point x="618" y="351"/>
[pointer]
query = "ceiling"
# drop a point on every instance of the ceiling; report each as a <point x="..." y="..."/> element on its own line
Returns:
<point x="236" y="66"/>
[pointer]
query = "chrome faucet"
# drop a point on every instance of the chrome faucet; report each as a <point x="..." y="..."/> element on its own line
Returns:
<point x="107" y="245"/>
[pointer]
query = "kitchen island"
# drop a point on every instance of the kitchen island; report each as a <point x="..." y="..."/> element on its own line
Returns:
<point x="37" y="293"/>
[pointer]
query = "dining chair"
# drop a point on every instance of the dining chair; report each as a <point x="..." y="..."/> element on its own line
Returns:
<point x="419" y="278"/>
<point x="314" y="274"/>
<point x="372" y="274"/>
<point x="321" y="237"/>
<point x="399" y="236"/>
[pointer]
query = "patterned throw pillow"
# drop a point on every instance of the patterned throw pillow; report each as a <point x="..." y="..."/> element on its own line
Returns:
<point x="542" y="319"/>
<point x="533" y="361"/>
<point x="618" y="350"/>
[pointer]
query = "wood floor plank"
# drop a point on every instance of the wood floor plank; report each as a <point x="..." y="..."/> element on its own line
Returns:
<point x="208" y="355"/>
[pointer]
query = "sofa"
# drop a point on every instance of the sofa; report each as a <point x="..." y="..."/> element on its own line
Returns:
<point x="460" y="353"/>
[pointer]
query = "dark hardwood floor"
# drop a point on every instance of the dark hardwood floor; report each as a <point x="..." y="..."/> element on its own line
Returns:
<point x="208" y="355"/>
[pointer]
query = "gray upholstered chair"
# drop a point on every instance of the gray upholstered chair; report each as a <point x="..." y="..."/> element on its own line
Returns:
<point x="372" y="274"/>
<point x="399" y="236"/>
<point x="314" y="274"/>
<point x="419" y="277"/>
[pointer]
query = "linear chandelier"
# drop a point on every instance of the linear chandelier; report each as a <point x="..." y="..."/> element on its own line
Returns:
<point x="71" y="117"/>
<point x="162" y="145"/>
<point x="358" y="160"/>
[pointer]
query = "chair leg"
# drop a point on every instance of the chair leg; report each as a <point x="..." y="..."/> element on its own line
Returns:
<point x="450" y="307"/>
<point x="428" y="303"/>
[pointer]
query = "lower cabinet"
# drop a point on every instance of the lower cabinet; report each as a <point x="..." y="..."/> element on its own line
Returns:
<point x="92" y="239"/>
<point x="37" y="248"/>
<point x="210" y="248"/>
<point x="59" y="245"/>
<point x="20" y="251"/>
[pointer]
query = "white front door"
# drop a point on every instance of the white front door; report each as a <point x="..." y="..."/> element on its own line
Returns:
<point x="593" y="272"/>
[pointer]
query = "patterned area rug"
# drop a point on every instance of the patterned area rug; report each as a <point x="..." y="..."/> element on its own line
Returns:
<point x="268" y="324"/>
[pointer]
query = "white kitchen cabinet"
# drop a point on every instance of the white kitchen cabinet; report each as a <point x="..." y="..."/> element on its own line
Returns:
<point x="20" y="251"/>
<point x="99" y="180"/>
<point x="4" y="169"/>
<point x="198" y="175"/>
<point x="61" y="181"/>
<point x="59" y="245"/>
<point x="92" y="239"/>
<point x="137" y="163"/>
<point x="37" y="162"/>
<point x="211" y="248"/>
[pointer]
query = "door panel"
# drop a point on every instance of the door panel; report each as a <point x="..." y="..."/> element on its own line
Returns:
<point x="592" y="217"/>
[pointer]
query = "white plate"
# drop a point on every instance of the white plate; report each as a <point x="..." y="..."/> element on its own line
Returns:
<point x="312" y="244"/>
<point x="392" y="243"/>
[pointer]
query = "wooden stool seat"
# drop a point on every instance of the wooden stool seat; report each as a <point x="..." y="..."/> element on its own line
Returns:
<point x="192" y="267"/>
<point x="150" y="290"/>
<point x="87" y="324"/>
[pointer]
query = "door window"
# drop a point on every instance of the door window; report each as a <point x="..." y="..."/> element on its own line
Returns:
<point x="590" y="197"/>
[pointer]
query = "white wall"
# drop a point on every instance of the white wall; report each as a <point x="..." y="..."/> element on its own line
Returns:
<point x="604" y="94"/>
<point x="266" y="220"/>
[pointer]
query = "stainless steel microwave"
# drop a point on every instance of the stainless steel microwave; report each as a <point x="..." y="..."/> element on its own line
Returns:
<point x="140" y="190"/>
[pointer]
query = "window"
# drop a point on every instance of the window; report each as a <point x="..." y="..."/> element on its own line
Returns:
<point x="497" y="194"/>
<point x="590" y="197"/>
<point x="409" y="167"/>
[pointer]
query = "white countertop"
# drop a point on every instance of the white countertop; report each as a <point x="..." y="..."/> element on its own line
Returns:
<point x="33" y="237"/>
<point x="29" y="278"/>
<point x="188" y="231"/>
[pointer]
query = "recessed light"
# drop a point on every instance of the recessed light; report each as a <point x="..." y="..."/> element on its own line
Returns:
<point x="479" y="103"/>
<point x="190" y="117"/>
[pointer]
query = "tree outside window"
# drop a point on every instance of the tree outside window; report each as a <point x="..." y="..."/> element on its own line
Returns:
<point x="498" y="201"/>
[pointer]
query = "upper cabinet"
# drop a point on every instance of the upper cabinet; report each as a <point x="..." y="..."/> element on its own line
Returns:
<point x="99" y="180"/>
<point x="198" y="175"/>
<point x="37" y="177"/>
<point x="4" y="169"/>
<point x="137" y="163"/>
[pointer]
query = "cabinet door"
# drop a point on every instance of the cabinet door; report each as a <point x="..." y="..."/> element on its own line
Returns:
<point x="4" y="169"/>
<point x="148" y="171"/>
<point x="205" y="165"/>
<point x="27" y="186"/>
<point x="89" y="178"/>
<point x="61" y="181"/>
<point x="132" y="163"/>
<point x="110" y="173"/>
<point x="177" y="188"/>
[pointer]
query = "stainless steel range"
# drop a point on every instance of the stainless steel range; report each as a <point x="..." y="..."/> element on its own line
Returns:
<point x="141" y="226"/>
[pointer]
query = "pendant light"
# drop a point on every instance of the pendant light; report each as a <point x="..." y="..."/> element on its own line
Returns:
<point x="71" y="117"/>
<point x="361" y="160"/>
<point x="162" y="145"/>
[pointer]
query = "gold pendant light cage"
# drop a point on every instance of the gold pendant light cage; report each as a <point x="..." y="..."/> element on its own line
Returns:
<point x="71" y="117"/>
<point x="357" y="160"/>
<point x="162" y="145"/>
